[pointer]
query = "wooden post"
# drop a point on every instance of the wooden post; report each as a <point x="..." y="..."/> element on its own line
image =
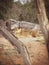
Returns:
<point x="43" y="20"/>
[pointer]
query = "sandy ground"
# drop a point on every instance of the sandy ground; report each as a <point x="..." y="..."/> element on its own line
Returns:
<point x="36" y="48"/>
<point x="9" y="54"/>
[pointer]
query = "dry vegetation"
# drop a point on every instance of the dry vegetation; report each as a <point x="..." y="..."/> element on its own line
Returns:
<point x="26" y="32"/>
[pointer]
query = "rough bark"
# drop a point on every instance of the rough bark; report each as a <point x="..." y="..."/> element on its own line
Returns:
<point x="21" y="48"/>
<point x="43" y="20"/>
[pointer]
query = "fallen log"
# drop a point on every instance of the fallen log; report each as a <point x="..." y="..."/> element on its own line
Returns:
<point x="18" y="44"/>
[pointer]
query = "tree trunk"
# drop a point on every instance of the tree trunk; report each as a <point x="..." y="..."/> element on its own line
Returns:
<point x="43" y="20"/>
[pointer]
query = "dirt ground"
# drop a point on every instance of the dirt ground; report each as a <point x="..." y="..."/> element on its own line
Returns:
<point x="36" y="48"/>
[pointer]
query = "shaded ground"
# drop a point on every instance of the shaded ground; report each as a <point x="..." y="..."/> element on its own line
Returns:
<point x="36" y="49"/>
<point x="8" y="54"/>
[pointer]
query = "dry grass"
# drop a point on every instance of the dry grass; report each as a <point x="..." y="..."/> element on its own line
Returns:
<point x="26" y="32"/>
